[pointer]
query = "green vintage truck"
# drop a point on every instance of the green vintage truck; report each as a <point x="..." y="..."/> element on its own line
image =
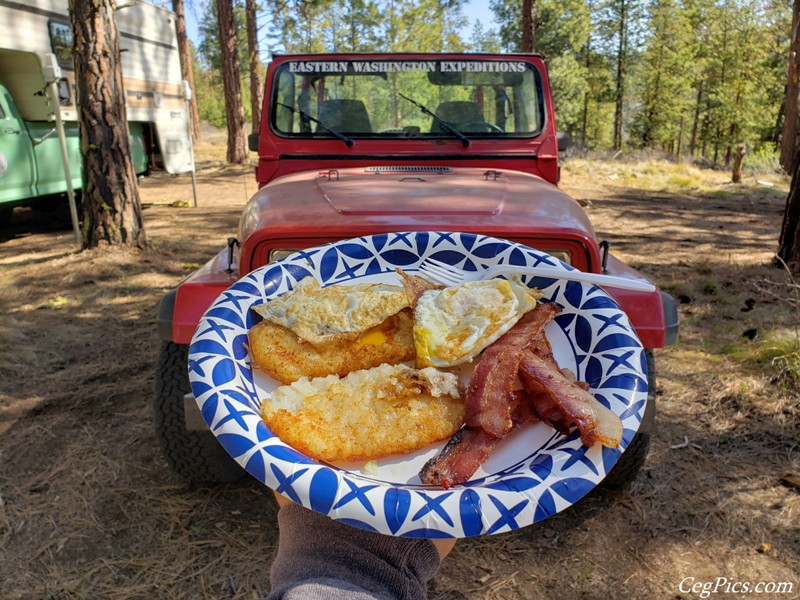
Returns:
<point x="31" y="168"/>
<point x="37" y="55"/>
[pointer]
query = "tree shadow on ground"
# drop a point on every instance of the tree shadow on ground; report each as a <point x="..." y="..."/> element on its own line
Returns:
<point x="90" y="509"/>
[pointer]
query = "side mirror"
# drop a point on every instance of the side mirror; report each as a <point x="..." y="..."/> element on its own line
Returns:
<point x="51" y="70"/>
<point x="252" y="141"/>
<point x="64" y="95"/>
<point x="564" y="141"/>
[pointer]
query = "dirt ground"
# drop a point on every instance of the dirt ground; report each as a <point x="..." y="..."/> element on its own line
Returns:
<point x="89" y="509"/>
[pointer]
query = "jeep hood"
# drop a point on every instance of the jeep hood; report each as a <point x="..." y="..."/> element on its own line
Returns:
<point x="361" y="201"/>
<point x="412" y="194"/>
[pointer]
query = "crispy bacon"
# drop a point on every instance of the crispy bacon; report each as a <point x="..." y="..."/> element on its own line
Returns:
<point x="489" y="394"/>
<point x="494" y="408"/>
<point x="470" y="447"/>
<point x="561" y="402"/>
<point x="540" y="346"/>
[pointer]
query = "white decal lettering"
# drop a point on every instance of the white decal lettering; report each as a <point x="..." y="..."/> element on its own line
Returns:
<point x="445" y="66"/>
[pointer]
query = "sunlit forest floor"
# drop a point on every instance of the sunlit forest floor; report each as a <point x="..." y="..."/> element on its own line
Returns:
<point x="89" y="509"/>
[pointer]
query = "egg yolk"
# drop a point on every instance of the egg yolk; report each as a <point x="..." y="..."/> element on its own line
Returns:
<point x="372" y="338"/>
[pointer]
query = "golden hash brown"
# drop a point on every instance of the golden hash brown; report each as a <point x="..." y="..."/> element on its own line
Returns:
<point x="279" y="353"/>
<point x="368" y="414"/>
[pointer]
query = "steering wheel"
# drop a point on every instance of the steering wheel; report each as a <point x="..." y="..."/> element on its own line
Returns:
<point x="481" y="127"/>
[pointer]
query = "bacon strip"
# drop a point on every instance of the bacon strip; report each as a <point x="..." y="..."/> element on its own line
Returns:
<point x="489" y="394"/>
<point x="470" y="447"/>
<point x="561" y="402"/>
<point x="495" y="409"/>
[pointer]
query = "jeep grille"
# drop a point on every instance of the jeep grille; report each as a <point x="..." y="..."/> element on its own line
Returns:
<point x="408" y="169"/>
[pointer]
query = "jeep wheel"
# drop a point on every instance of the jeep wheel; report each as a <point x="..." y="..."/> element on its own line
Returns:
<point x="632" y="460"/>
<point x="194" y="455"/>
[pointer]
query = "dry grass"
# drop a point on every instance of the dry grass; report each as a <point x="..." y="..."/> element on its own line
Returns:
<point x="659" y="175"/>
<point x="88" y="508"/>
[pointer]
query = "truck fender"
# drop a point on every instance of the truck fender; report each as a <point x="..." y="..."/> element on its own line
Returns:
<point x="193" y="418"/>
<point x="670" y="319"/>
<point x="166" y="309"/>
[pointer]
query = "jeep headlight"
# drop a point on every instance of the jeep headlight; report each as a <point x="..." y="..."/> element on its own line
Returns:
<point x="279" y="253"/>
<point x="562" y="255"/>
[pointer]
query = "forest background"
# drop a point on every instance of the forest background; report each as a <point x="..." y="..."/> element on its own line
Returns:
<point x="689" y="79"/>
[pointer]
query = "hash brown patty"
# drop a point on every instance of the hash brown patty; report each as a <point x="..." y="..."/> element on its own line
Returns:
<point x="281" y="354"/>
<point x="371" y="413"/>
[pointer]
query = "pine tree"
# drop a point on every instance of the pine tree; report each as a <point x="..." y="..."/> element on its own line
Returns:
<point x="665" y="87"/>
<point x="229" y="59"/>
<point x="739" y="42"/>
<point x="621" y="25"/>
<point x="483" y="40"/>
<point x="112" y="212"/>
<point x="792" y="110"/>
<point x="789" y="241"/>
<point x="563" y="29"/>
<point x="187" y="72"/>
<point x="254" y="64"/>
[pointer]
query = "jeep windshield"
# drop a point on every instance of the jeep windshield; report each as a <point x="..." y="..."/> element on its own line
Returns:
<point x="463" y="98"/>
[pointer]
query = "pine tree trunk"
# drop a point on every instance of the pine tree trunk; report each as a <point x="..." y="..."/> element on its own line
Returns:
<point x="777" y="131"/>
<point x="738" y="162"/>
<point x="696" y="120"/>
<point x="527" y="25"/>
<point x="789" y="241"/>
<point x="789" y="137"/>
<point x="112" y="211"/>
<point x="229" y="58"/>
<point x="620" y="89"/>
<point x="186" y="64"/>
<point x="255" y="65"/>
<point x="585" y="115"/>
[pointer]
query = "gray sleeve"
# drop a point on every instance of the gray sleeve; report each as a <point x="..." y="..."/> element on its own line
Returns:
<point x="319" y="558"/>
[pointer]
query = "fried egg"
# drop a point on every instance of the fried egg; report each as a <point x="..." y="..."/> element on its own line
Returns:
<point x="322" y="314"/>
<point x="455" y="324"/>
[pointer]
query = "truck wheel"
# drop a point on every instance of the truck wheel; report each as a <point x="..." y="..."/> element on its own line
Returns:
<point x="633" y="459"/>
<point x="48" y="204"/>
<point x="194" y="455"/>
<point x="5" y="215"/>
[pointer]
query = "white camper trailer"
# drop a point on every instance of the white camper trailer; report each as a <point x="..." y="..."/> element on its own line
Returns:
<point x="32" y="33"/>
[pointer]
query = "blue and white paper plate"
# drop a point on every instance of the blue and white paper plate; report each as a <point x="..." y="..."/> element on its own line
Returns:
<point x="531" y="475"/>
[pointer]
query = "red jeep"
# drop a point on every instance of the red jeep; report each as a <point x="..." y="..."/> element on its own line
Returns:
<point x="362" y="144"/>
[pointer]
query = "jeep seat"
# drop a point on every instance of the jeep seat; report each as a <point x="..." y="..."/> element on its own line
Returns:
<point x="344" y="116"/>
<point x="463" y="115"/>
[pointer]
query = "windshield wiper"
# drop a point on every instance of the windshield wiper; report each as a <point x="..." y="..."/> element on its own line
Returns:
<point x="348" y="141"/>
<point x="464" y="139"/>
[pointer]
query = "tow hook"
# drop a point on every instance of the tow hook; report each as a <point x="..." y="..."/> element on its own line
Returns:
<point x="232" y="241"/>
<point x="604" y="246"/>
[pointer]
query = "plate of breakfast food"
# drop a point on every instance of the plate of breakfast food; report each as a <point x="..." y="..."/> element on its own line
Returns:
<point x="348" y="382"/>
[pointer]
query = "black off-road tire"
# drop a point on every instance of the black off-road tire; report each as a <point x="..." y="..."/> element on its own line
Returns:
<point x="635" y="455"/>
<point x="196" y="456"/>
<point x="5" y="215"/>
